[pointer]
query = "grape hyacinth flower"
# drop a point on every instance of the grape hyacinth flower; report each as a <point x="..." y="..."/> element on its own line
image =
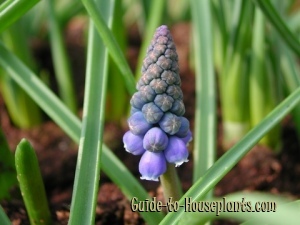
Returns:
<point x="158" y="130"/>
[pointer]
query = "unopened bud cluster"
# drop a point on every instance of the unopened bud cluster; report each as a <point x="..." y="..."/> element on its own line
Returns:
<point x="158" y="129"/>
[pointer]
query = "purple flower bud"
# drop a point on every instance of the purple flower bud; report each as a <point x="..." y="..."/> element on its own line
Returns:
<point x="158" y="85"/>
<point x="147" y="93"/>
<point x="170" y="123"/>
<point x="170" y="53"/>
<point x="164" y="102"/>
<point x="175" y="92"/>
<point x="188" y="138"/>
<point x="134" y="110"/>
<point x="154" y="71"/>
<point x="176" y="151"/>
<point x="175" y="68"/>
<point x="147" y="62"/>
<point x="138" y="124"/>
<point x="136" y="101"/>
<point x="152" y="113"/>
<point x="161" y="31"/>
<point x="153" y="55"/>
<point x="133" y="143"/>
<point x="157" y="129"/>
<point x="162" y="40"/>
<point x="152" y="165"/>
<point x="159" y="49"/>
<point x="145" y="79"/>
<point x="164" y="62"/>
<point x="170" y="77"/>
<point x="184" y="128"/>
<point x="155" y="140"/>
<point x="178" y="108"/>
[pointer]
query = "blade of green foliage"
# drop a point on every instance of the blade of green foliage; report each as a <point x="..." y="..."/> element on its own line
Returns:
<point x="60" y="60"/>
<point x="224" y="164"/>
<point x="11" y="10"/>
<point x="205" y="114"/>
<point x="22" y="110"/>
<point x="89" y="155"/>
<point x="38" y="91"/>
<point x="177" y="11"/>
<point x="31" y="184"/>
<point x="4" y="220"/>
<point x="291" y="72"/>
<point x="117" y="98"/>
<point x="8" y="171"/>
<point x="220" y="31"/>
<point x="146" y="5"/>
<point x="234" y="77"/>
<point x="111" y="44"/>
<point x="60" y="114"/>
<point x="285" y="211"/>
<point x="260" y="83"/>
<point x="273" y="16"/>
<point x="154" y="20"/>
<point x="67" y="9"/>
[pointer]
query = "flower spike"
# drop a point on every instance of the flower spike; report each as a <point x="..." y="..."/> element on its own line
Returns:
<point x="158" y="129"/>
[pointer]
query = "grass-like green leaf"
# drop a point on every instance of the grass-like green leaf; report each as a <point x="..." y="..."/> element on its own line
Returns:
<point x="90" y="147"/>
<point x="39" y="92"/>
<point x="205" y="114"/>
<point x="234" y="77"/>
<point x="117" y="97"/>
<point x="60" y="60"/>
<point x="290" y="72"/>
<point x="31" y="184"/>
<point x="261" y="97"/>
<point x="111" y="44"/>
<point x="223" y="165"/>
<point x="220" y="31"/>
<point x="23" y="112"/>
<point x="282" y="28"/>
<point x="4" y="220"/>
<point x="8" y="176"/>
<point x="12" y="10"/>
<point x="67" y="9"/>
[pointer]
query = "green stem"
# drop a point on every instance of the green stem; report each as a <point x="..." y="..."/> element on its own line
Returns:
<point x="31" y="184"/>
<point x="171" y="184"/>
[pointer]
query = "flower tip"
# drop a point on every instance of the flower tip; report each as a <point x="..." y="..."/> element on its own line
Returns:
<point x="176" y="151"/>
<point x="177" y="164"/>
<point x="152" y="165"/>
<point x="149" y="178"/>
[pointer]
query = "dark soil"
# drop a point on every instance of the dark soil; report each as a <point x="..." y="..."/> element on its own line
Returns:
<point x="260" y="170"/>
